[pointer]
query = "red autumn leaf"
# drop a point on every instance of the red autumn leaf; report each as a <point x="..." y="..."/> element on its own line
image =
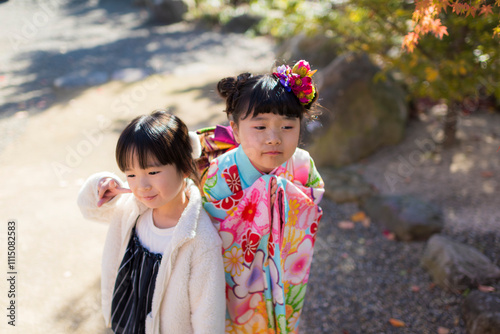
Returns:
<point x="486" y="173"/>
<point x="440" y="31"/>
<point x="389" y="235"/>
<point x="346" y="225"/>
<point x="485" y="288"/>
<point x="485" y="10"/>
<point x="396" y="322"/>
<point x="443" y="330"/>
<point x="415" y="288"/>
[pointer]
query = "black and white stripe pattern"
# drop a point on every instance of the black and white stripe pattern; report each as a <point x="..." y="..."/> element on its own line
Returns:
<point x="134" y="287"/>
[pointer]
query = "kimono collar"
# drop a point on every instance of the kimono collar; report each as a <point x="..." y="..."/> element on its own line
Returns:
<point x="248" y="173"/>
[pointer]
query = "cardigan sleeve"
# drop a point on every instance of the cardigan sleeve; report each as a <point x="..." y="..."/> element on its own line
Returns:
<point x="88" y="198"/>
<point x="206" y="289"/>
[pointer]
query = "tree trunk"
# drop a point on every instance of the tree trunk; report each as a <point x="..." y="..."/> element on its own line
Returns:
<point x="450" y="125"/>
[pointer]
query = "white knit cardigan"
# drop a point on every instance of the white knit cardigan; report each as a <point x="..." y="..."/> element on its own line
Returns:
<point x="189" y="294"/>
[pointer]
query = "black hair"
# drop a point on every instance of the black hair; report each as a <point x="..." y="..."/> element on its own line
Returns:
<point x="161" y="135"/>
<point x="248" y="95"/>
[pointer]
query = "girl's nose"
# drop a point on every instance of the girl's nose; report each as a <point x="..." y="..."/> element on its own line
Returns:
<point x="144" y="184"/>
<point x="273" y="138"/>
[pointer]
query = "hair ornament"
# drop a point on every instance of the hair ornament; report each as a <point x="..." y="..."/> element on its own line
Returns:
<point x="195" y="144"/>
<point x="298" y="80"/>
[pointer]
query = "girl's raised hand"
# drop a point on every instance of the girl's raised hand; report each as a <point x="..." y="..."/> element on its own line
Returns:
<point x="107" y="189"/>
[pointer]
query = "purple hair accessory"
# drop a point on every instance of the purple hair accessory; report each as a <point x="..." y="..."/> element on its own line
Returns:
<point x="298" y="80"/>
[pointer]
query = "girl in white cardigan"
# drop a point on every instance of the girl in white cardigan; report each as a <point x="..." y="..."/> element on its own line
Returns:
<point x="162" y="269"/>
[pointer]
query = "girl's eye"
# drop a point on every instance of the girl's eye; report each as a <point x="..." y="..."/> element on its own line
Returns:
<point x="153" y="173"/>
<point x="259" y="127"/>
<point x="288" y="127"/>
<point x="130" y="175"/>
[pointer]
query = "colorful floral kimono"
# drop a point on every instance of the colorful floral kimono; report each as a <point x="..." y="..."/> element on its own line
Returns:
<point x="267" y="248"/>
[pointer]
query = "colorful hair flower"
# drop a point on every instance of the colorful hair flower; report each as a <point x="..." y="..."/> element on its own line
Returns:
<point x="298" y="80"/>
<point x="284" y="75"/>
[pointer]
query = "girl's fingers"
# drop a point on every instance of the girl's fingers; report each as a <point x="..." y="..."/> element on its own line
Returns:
<point x="103" y="187"/>
<point x="102" y="201"/>
<point x="121" y="190"/>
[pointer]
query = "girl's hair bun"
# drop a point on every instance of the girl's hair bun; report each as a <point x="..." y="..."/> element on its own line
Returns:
<point x="230" y="85"/>
<point x="230" y="88"/>
<point x="226" y="87"/>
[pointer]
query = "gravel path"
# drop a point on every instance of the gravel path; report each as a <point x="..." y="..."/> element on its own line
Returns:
<point x="359" y="279"/>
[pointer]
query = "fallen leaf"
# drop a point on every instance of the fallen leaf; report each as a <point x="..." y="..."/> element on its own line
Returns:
<point x="396" y="322"/>
<point x="346" y="225"/>
<point x="389" y="235"/>
<point x="486" y="174"/>
<point x="358" y="216"/>
<point x="443" y="330"/>
<point x="415" y="288"/>
<point x="366" y="222"/>
<point x="485" y="288"/>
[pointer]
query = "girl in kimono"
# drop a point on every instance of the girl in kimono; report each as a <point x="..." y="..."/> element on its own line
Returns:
<point x="162" y="270"/>
<point x="264" y="193"/>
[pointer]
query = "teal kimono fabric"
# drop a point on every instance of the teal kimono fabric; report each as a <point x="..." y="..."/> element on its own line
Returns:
<point x="267" y="247"/>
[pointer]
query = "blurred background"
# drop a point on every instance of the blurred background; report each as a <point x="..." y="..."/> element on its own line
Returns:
<point x="407" y="141"/>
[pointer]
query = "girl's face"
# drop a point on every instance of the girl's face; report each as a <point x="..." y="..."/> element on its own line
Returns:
<point x="158" y="186"/>
<point x="268" y="140"/>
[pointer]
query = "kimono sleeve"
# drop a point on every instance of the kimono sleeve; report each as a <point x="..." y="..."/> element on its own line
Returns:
<point x="307" y="177"/>
<point x="219" y="198"/>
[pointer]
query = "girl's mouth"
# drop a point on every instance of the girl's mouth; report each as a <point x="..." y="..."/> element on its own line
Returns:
<point x="272" y="153"/>
<point x="149" y="198"/>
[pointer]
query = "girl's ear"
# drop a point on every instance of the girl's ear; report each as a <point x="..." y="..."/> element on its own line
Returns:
<point x="236" y="133"/>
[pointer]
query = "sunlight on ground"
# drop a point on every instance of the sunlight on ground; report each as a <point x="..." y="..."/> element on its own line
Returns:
<point x="461" y="163"/>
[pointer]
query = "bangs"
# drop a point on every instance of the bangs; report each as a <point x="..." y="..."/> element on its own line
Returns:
<point x="269" y="96"/>
<point x="150" y="142"/>
<point x="145" y="159"/>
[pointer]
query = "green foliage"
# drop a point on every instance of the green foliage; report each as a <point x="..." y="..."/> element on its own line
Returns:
<point x="453" y="68"/>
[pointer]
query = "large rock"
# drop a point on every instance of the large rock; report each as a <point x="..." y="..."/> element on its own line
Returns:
<point x="318" y="50"/>
<point x="361" y="114"/>
<point x="455" y="266"/>
<point x="168" y="11"/>
<point x="241" y="23"/>
<point x="343" y="185"/>
<point x="481" y="312"/>
<point x="408" y="217"/>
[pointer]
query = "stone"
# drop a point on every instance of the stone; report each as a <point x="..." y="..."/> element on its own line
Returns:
<point x="409" y="217"/>
<point x="318" y="50"/>
<point x="359" y="114"/>
<point x="167" y="11"/>
<point x="241" y="23"/>
<point x="342" y="185"/>
<point x="455" y="266"/>
<point x="481" y="313"/>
